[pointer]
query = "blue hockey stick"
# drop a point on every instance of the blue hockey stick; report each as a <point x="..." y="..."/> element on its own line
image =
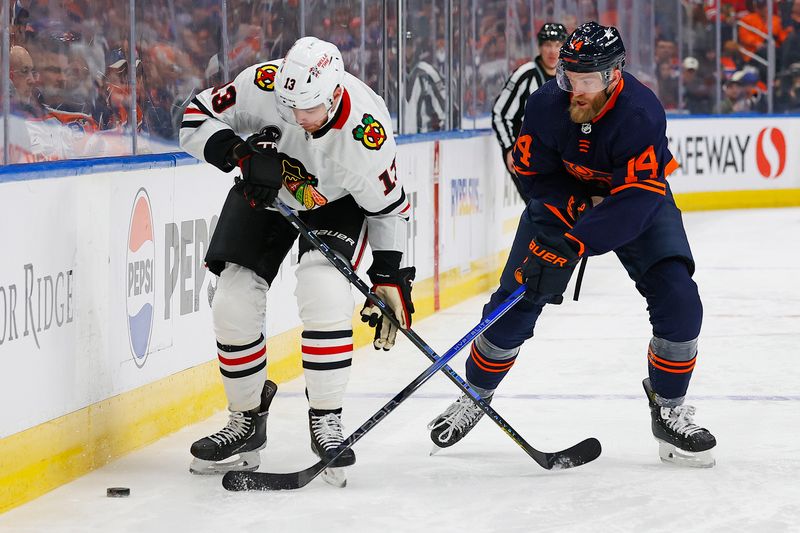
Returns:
<point x="237" y="480"/>
<point x="581" y="453"/>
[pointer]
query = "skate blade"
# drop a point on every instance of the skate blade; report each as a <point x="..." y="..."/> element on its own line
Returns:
<point x="246" y="462"/>
<point x="674" y="455"/>
<point x="434" y="450"/>
<point x="335" y="476"/>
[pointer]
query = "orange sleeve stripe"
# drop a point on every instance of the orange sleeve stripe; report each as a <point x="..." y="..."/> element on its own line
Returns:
<point x="671" y="167"/>
<point x="557" y="213"/>
<point x="581" y="247"/>
<point x="658" y="359"/>
<point x="641" y="186"/>
<point x="523" y="172"/>
<point x="655" y="183"/>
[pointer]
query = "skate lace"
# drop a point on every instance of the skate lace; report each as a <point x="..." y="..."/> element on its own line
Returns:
<point x="460" y="415"/>
<point x="238" y="426"/>
<point x="679" y="419"/>
<point x="327" y="430"/>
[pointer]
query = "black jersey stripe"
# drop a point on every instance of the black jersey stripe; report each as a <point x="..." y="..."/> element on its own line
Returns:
<point x="201" y="107"/>
<point x="390" y="208"/>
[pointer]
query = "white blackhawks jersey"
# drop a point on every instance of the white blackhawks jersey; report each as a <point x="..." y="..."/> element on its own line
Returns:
<point x="353" y="154"/>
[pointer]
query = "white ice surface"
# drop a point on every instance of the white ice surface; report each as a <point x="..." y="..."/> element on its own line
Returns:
<point x="580" y="377"/>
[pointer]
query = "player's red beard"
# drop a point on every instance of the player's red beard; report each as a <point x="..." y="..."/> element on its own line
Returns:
<point x="584" y="113"/>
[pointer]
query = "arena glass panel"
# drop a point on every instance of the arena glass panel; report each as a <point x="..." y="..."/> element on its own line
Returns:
<point x="424" y="66"/>
<point x="69" y="95"/>
<point x="258" y="31"/>
<point x="179" y="43"/>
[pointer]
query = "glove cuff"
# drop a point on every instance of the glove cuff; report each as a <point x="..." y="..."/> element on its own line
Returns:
<point x="237" y="152"/>
<point x="385" y="267"/>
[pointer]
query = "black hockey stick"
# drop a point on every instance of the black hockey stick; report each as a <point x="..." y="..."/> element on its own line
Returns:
<point x="581" y="453"/>
<point x="238" y="481"/>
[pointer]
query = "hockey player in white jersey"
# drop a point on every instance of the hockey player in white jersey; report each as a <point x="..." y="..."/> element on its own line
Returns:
<point x="325" y="149"/>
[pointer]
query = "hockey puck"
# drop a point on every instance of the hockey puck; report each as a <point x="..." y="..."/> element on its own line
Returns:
<point x="118" y="492"/>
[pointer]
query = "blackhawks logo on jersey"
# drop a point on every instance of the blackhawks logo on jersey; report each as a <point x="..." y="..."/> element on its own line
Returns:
<point x="265" y="77"/>
<point x="370" y="132"/>
<point x="301" y="184"/>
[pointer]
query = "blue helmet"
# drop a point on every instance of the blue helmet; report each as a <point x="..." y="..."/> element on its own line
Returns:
<point x="593" y="48"/>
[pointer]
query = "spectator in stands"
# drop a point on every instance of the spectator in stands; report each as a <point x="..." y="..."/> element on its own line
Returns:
<point x="23" y="84"/>
<point x="741" y="94"/>
<point x="790" y="49"/>
<point x="667" y="86"/>
<point x="666" y="52"/>
<point x="787" y="90"/>
<point x="757" y="18"/>
<point x="697" y="92"/>
<point x="731" y="59"/>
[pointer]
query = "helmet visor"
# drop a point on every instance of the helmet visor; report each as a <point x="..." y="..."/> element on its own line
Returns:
<point x="582" y="82"/>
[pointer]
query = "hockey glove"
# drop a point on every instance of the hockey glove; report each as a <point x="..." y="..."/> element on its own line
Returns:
<point x="546" y="271"/>
<point x="260" y="163"/>
<point x="395" y="291"/>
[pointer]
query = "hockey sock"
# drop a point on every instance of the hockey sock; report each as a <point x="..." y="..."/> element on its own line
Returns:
<point x="487" y="365"/>
<point x="242" y="369"/>
<point x="327" y="356"/>
<point x="670" y="365"/>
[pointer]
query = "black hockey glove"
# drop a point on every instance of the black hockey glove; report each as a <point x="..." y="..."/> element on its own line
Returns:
<point x="394" y="288"/>
<point x="546" y="271"/>
<point x="260" y="163"/>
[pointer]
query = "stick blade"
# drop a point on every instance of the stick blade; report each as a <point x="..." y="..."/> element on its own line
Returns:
<point x="238" y="481"/>
<point x="584" y="452"/>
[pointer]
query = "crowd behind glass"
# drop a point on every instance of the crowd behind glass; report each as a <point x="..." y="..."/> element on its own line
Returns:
<point x="93" y="78"/>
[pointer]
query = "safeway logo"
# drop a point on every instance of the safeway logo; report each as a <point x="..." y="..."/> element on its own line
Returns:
<point x="771" y="152"/>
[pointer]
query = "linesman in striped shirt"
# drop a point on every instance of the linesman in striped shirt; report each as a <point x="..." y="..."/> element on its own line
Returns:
<point x="509" y="108"/>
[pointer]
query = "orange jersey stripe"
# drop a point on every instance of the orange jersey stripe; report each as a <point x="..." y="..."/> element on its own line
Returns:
<point x="671" y="167"/>
<point x="641" y="186"/>
<point x="655" y="183"/>
<point x="557" y="213"/>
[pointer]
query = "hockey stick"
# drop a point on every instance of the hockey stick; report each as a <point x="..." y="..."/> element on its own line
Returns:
<point x="581" y="453"/>
<point x="238" y="480"/>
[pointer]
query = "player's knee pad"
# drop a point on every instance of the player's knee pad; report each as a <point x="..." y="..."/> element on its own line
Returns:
<point x="324" y="298"/>
<point x="673" y="301"/>
<point x="239" y="306"/>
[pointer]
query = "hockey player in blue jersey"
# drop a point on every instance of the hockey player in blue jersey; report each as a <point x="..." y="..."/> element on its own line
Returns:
<point x="593" y="156"/>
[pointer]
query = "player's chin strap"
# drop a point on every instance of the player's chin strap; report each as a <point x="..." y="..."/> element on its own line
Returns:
<point x="578" y="281"/>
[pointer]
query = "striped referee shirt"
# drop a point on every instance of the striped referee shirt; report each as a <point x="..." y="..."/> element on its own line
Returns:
<point x="425" y="100"/>
<point x="509" y="108"/>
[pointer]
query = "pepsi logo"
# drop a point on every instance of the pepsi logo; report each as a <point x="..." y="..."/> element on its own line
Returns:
<point x="140" y="292"/>
<point x="771" y="152"/>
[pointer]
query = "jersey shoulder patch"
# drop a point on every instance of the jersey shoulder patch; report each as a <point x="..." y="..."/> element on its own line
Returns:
<point x="265" y="77"/>
<point x="370" y="132"/>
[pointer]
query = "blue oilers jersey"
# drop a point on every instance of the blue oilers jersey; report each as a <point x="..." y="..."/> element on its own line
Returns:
<point x="620" y="156"/>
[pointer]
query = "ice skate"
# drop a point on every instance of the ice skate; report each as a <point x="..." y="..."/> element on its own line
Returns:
<point x="326" y="435"/>
<point x="680" y="440"/>
<point x="455" y="422"/>
<point x="237" y="445"/>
